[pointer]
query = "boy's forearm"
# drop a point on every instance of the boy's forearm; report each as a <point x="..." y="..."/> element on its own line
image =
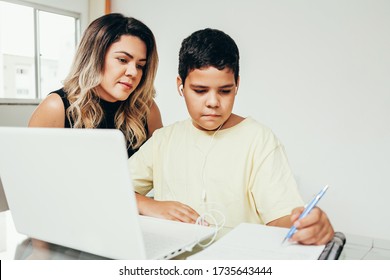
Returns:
<point x="142" y="202"/>
<point x="281" y="222"/>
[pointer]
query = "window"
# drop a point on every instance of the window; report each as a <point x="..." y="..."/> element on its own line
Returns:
<point x="37" y="46"/>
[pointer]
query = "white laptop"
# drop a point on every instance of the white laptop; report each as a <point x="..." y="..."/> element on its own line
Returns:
<point x="72" y="187"/>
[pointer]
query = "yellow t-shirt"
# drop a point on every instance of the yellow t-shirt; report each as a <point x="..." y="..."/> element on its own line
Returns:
<point x="241" y="172"/>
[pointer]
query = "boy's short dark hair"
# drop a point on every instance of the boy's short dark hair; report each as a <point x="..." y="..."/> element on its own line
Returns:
<point x="208" y="47"/>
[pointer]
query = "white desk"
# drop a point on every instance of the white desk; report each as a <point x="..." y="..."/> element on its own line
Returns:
<point x="356" y="247"/>
<point x="365" y="248"/>
<point x="9" y="238"/>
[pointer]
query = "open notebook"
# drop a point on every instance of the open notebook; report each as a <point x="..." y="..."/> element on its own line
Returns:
<point x="257" y="242"/>
<point x="72" y="187"/>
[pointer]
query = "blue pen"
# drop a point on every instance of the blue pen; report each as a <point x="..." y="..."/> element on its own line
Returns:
<point x="305" y="212"/>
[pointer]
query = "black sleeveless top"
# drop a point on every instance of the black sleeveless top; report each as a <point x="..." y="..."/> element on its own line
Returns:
<point x="108" y="121"/>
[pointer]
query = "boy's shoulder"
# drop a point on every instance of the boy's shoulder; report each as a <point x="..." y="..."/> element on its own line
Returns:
<point x="252" y="130"/>
<point x="252" y="124"/>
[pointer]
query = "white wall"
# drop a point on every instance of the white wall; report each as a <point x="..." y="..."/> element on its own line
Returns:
<point x="96" y="9"/>
<point x="316" y="72"/>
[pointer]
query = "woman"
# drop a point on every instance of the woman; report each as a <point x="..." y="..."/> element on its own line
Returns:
<point x="110" y="84"/>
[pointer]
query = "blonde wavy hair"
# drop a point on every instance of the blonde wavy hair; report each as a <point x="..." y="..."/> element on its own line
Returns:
<point x="86" y="74"/>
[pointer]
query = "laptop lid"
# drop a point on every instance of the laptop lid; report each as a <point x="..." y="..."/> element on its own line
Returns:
<point x="72" y="187"/>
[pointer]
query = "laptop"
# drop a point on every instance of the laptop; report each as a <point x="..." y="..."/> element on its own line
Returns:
<point x="72" y="187"/>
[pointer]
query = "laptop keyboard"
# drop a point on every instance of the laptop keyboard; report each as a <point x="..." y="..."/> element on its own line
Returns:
<point x="162" y="247"/>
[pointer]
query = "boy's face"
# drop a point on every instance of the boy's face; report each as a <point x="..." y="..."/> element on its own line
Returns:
<point x="209" y="94"/>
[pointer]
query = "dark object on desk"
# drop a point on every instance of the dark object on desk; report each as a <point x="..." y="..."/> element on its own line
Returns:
<point x="334" y="247"/>
<point x="3" y="199"/>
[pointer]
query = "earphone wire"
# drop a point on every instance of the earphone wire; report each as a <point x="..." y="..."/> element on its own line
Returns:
<point x="209" y="212"/>
<point x="200" y="221"/>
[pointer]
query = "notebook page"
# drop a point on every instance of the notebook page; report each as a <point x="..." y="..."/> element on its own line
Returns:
<point x="254" y="241"/>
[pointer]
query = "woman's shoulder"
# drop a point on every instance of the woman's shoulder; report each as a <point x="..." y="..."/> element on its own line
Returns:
<point x="61" y="92"/>
<point x="52" y="103"/>
<point x="64" y="96"/>
<point x="49" y="113"/>
<point x="154" y="120"/>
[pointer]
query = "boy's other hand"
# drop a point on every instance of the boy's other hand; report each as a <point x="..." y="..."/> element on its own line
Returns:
<point x="170" y="210"/>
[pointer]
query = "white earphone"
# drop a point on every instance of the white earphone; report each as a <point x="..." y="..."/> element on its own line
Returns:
<point x="181" y="90"/>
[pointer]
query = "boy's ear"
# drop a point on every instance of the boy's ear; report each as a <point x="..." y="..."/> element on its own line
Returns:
<point x="238" y="84"/>
<point x="179" y="86"/>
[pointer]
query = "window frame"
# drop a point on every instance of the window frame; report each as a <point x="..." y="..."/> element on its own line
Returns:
<point x="36" y="9"/>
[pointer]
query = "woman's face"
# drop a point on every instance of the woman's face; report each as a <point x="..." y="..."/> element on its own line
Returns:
<point x="124" y="64"/>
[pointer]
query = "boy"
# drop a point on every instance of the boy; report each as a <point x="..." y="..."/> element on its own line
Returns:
<point x="218" y="164"/>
